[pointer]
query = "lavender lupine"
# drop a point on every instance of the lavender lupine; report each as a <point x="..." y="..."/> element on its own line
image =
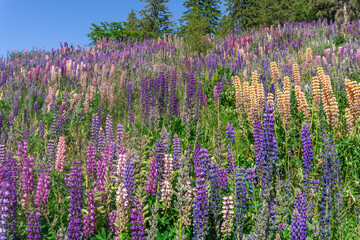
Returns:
<point x="5" y="208"/>
<point x="176" y="151"/>
<point x="34" y="227"/>
<point x="76" y="194"/>
<point x="200" y="208"/>
<point x="3" y="78"/>
<point x="36" y="105"/>
<point x="89" y="218"/>
<point x="137" y="222"/>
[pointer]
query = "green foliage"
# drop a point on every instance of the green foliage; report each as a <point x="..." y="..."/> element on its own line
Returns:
<point x="339" y="41"/>
<point x="114" y="30"/>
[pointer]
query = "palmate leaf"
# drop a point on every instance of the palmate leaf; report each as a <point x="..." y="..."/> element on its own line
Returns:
<point x="102" y="236"/>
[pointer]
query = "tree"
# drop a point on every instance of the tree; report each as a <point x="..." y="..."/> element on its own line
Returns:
<point x="156" y="17"/>
<point x="132" y="22"/>
<point x="211" y="14"/>
<point x="193" y="26"/>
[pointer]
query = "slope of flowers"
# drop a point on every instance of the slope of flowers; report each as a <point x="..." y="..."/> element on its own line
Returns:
<point x="255" y="139"/>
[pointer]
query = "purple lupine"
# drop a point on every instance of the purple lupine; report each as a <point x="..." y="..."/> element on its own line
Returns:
<point x="3" y="78"/>
<point x="159" y="155"/>
<point x="269" y="154"/>
<point x="54" y="125"/>
<point x="174" y="102"/>
<point x="215" y="195"/>
<point x="100" y="176"/>
<point x="296" y="227"/>
<point x="11" y="119"/>
<point x="26" y="133"/>
<point x="223" y="178"/>
<point x="16" y="108"/>
<point x="145" y="99"/>
<point x="200" y="207"/>
<point x="42" y="190"/>
<point x="204" y="159"/>
<point x="76" y="194"/>
<point x="109" y="130"/>
<point x="230" y="132"/>
<point x="300" y="205"/>
<point x="137" y="222"/>
<point x="199" y="101"/>
<point x="307" y="161"/>
<point x="26" y="116"/>
<point x="176" y="151"/>
<point x="151" y="185"/>
<point x="36" y="105"/>
<point x="93" y="133"/>
<point x="5" y="208"/>
<point x="27" y="178"/>
<point x="91" y="161"/>
<point x="240" y="202"/>
<point x="89" y="218"/>
<point x="60" y="125"/>
<point x="218" y="89"/>
<point x="34" y="227"/>
<point x="41" y="129"/>
<point x="331" y="188"/>
<point x="258" y="144"/>
<point x="129" y="178"/>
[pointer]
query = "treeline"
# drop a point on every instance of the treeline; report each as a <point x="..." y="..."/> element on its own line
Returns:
<point x="204" y="17"/>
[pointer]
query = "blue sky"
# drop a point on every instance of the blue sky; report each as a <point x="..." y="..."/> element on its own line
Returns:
<point x="44" y="24"/>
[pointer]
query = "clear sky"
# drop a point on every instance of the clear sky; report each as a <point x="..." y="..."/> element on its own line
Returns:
<point x="28" y="24"/>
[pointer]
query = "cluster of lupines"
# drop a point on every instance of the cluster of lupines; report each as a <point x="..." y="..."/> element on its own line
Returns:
<point x="40" y="74"/>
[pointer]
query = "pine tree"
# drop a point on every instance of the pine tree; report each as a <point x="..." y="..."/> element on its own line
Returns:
<point x="156" y="17"/>
<point x="132" y="22"/>
<point x="211" y="14"/>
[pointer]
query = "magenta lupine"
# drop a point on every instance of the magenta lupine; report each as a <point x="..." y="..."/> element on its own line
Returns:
<point x="91" y="161"/>
<point x="112" y="223"/>
<point x="27" y="178"/>
<point x="76" y="195"/>
<point x="89" y="218"/>
<point x="60" y="155"/>
<point x="151" y="185"/>
<point x="137" y="222"/>
<point x="42" y="190"/>
<point x="34" y="227"/>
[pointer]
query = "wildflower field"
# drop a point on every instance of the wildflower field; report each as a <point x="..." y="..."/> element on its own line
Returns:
<point x="258" y="138"/>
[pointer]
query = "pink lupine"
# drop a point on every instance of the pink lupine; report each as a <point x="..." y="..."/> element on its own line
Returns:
<point x="151" y="182"/>
<point x="120" y="167"/>
<point x="166" y="193"/>
<point x="228" y="216"/>
<point x="60" y="155"/>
